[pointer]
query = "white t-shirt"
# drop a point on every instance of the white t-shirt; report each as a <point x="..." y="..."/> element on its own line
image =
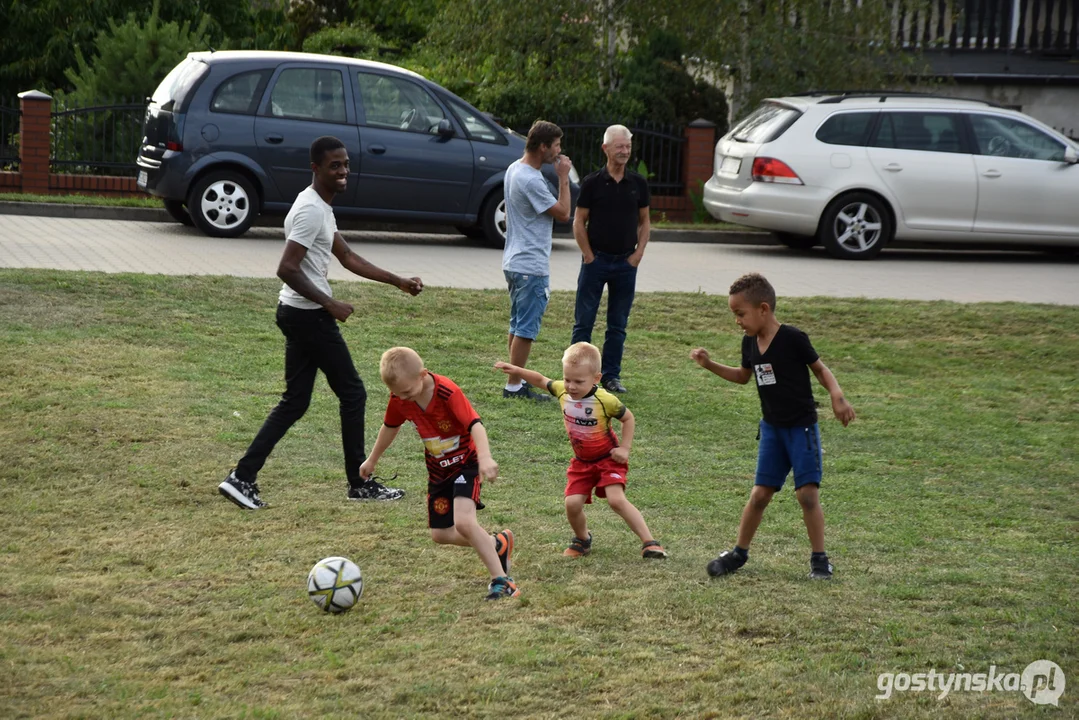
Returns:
<point x="528" y="226"/>
<point x="310" y="223"/>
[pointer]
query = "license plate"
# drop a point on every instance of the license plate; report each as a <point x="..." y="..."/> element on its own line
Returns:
<point x="730" y="165"/>
<point x="141" y="182"/>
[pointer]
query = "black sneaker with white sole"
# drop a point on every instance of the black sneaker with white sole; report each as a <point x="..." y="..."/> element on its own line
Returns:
<point x="820" y="568"/>
<point x="728" y="562"/>
<point x="243" y="493"/>
<point x="527" y="392"/>
<point x="372" y="489"/>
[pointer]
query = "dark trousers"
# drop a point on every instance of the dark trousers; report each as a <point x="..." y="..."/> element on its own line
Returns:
<point x="620" y="277"/>
<point x="312" y="343"/>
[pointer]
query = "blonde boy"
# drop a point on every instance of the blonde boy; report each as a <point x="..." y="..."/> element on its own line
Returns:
<point x="600" y="461"/>
<point x="458" y="459"/>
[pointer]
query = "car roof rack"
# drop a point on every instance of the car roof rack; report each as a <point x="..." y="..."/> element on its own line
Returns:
<point x="838" y="96"/>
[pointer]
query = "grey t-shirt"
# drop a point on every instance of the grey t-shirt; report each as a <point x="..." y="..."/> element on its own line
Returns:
<point x="528" y="226"/>
<point x="310" y="223"/>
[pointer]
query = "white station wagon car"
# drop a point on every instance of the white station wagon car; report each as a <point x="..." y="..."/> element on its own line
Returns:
<point x="853" y="171"/>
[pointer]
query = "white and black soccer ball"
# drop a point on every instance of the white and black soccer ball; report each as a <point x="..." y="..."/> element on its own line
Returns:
<point x="335" y="584"/>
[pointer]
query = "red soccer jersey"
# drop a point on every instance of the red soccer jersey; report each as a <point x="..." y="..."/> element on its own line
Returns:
<point x="444" y="427"/>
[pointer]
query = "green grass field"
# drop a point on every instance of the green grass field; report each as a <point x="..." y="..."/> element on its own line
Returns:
<point x="129" y="588"/>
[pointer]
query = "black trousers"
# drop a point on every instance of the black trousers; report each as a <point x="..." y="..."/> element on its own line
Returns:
<point x="313" y="342"/>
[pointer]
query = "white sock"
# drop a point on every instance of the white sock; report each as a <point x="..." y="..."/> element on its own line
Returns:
<point x="514" y="387"/>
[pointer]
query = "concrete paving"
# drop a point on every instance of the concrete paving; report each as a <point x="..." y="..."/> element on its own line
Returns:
<point x="453" y="261"/>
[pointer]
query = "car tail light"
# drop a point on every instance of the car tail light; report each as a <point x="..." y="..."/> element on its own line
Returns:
<point x="766" y="169"/>
<point x="177" y="146"/>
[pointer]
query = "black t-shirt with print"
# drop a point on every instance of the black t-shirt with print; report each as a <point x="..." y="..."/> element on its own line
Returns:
<point x="782" y="376"/>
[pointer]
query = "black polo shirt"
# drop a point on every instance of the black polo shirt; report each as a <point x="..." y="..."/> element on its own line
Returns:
<point x="613" y="210"/>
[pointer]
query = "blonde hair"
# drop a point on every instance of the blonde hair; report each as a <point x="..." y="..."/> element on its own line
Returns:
<point x="584" y="354"/>
<point x="399" y="363"/>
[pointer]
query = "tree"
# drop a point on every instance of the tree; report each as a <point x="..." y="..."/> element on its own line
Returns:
<point x="133" y="57"/>
<point x="39" y="39"/>
<point x="569" y="56"/>
<point x="655" y="77"/>
<point x="354" y="40"/>
<point x="130" y="59"/>
<point x="778" y="47"/>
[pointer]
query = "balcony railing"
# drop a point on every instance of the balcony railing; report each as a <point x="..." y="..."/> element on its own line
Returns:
<point x="1044" y="27"/>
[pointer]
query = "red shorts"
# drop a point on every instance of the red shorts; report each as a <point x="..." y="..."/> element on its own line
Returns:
<point x="583" y="476"/>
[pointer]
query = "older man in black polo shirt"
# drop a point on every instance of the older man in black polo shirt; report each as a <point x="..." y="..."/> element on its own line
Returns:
<point x="611" y="227"/>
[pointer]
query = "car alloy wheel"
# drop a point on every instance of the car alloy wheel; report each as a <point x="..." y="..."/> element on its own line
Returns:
<point x="500" y="219"/>
<point x="493" y="219"/>
<point x="856" y="227"/>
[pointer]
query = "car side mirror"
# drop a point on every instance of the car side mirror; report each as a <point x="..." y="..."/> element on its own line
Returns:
<point x="1070" y="155"/>
<point x="445" y="129"/>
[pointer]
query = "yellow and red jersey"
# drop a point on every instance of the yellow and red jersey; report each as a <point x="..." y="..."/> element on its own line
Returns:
<point x="588" y="420"/>
<point x="444" y="427"/>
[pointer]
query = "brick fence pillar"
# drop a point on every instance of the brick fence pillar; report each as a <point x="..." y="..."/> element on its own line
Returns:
<point x="34" y="141"/>
<point x="700" y="151"/>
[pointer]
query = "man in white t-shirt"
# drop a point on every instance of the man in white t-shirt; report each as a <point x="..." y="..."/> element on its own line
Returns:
<point x="531" y="210"/>
<point x="307" y="314"/>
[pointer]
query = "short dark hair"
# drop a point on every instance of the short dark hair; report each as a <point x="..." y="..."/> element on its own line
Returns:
<point x="323" y="145"/>
<point x="756" y="289"/>
<point x="542" y="133"/>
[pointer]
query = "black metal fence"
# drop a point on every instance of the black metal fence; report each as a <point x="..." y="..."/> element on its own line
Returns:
<point x="102" y="139"/>
<point x="9" y="134"/>
<point x="1046" y="27"/>
<point x="657" y="151"/>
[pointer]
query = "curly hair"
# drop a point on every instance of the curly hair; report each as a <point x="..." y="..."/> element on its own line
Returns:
<point x="756" y="289"/>
<point x="323" y="146"/>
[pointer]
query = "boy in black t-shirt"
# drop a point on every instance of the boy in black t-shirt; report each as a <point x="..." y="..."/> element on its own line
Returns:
<point x="777" y="356"/>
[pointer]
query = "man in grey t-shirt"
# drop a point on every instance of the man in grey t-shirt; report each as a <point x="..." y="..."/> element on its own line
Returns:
<point x="531" y="210"/>
<point x="307" y="314"/>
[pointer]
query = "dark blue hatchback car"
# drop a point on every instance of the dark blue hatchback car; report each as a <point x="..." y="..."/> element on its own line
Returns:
<point x="227" y="135"/>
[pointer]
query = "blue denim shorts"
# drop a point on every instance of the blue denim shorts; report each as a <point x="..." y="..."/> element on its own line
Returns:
<point x="528" y="301"/>
<point x="782" y="449"/>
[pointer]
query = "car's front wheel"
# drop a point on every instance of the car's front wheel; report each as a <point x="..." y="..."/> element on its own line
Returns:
<point x="493" y="219"/>
<point x="223" y="204"/>
<point x="178" y="212"/>
<point x="856" y="227"/>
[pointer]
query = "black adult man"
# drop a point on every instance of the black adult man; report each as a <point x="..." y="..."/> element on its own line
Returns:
<point x="307" y="314"/>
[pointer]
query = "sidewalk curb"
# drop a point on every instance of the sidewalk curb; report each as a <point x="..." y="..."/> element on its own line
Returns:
<point x="100" y="212"/>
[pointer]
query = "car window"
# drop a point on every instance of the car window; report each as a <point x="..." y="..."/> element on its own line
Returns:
<point x="927" y="131"/>
<point x="846" y="128"/>
<point x="309" y="94"/>
<point x="240" y="93"/>
<point x="179" y="83"/>
<point x="1007" y="137"/>
<point x="477" y="127"/>
<point x="765" y="124"/>
<point x="392" y="102"/>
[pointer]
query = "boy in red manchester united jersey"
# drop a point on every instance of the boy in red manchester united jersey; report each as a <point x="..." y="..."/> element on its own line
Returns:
<point x="600" y="461"/>
<point x="458" y="459"/>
